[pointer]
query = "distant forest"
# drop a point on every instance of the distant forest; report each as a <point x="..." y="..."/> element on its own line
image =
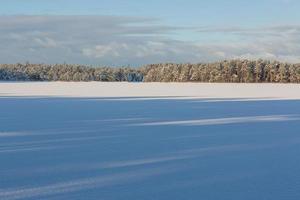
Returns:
<point x="234" y="71"/>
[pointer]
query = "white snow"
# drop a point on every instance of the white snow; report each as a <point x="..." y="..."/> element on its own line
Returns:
<point x="199" y="90"/>
<point x="149" y="141"/>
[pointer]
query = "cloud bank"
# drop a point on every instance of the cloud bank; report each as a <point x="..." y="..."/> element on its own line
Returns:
<point x="121" y="40"/>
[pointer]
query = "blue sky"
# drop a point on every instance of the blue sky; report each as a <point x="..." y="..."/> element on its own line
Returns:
<point x="226" y="29"/>
<point x="185" y="12"/>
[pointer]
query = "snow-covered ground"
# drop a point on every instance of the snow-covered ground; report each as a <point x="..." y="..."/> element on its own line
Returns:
<point x="186" y="90"/>
<point x="149" y="141"/>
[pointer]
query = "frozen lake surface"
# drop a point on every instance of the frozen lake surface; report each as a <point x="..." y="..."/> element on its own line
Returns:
<point x="149" y="141"/>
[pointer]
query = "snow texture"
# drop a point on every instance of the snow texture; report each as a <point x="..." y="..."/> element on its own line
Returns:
<point x="149" y="141"/>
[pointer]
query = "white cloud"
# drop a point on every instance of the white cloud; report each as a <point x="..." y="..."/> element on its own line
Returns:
<point x="119" y="40"/>
<point x="46" y="42"/>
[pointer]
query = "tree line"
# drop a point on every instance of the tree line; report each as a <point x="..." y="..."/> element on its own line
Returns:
<point x="233" y="71"/>
<point x="67" y="72"/>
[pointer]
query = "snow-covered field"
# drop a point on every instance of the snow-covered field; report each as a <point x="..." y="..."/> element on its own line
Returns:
<point x="186" y="90"/>
<point x="149" y="141"/>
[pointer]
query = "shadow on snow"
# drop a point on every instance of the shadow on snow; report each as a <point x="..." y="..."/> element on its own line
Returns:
<point x="132" y="147"/>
